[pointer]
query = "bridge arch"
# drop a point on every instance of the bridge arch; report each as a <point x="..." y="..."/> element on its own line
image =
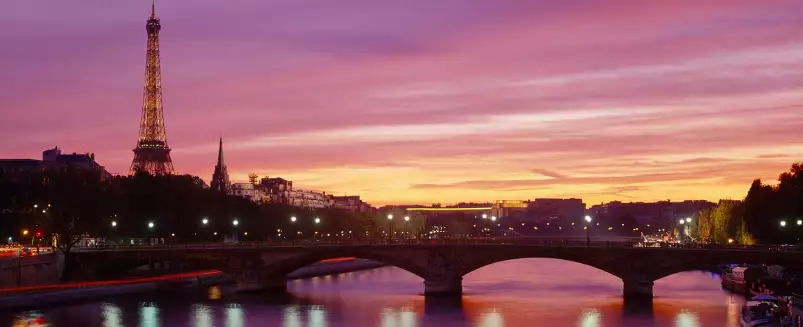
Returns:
<point x="587" y="262"/>
<point x="280" y="268"/>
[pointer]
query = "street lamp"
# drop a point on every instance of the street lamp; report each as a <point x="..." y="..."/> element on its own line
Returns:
<point x="205" y="221"/>
<point x="588" y="230"/>
<point x="317" y="220"/>
<point x="688" y="220"/>
<point x="493" y="218"/>
<point x="783" y="223"/>
<point x="150" y="225"/>
<point x="114" y="223"/>
<point x="799" y="222"/>
<point x="293" y="219"/>
<point x="682" y="221"/>
<point x="484" y="216"/>
<point x="24" y="232"/>
<point x="407" y="226"/>
<point x="235" y="222"/>
<point x="390" y="228"/>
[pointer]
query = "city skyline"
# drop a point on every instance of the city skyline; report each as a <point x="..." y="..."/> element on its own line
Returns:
<point x="435" y="102"/>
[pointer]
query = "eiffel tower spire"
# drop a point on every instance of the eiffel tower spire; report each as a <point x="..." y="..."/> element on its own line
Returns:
<point x="152" y="155"/>
<point x="220" y="178"/>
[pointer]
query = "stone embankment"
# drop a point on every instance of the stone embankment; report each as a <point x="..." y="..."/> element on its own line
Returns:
<point x="50" y="294"/>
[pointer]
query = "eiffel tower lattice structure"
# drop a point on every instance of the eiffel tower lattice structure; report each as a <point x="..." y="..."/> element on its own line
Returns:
<point x="152" y="155"/>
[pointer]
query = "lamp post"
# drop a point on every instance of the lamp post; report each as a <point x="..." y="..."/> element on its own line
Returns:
<point x="150" y="233"/>
<point x="588" y="230"/>
<point x="235" y="223"/>
<point x="390" y="228"/>
<point x="407" y="226"/>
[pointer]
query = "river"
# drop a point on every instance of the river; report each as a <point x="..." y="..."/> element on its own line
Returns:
<point x="526" y="292"/>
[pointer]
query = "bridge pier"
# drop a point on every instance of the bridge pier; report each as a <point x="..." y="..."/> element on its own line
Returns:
<point x="443" y="287"/>
<point x="637" y="289"/>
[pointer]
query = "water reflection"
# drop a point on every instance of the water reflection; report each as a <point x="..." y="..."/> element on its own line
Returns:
<point x="317" y="316"/>
<point x="686" y="319"/>
<point x="203" y="315"/>
<point x="404" y="317"/>
<point x="515" y="293"/>
<point x="292" y="318"/>
<point x="30" y="318"/>
<point x="590" y="318"/>
<point x="112" y="315"/>
<point x="492" y="318"/>
<point x="235" y="316"/>
<point x="148" y="315"/>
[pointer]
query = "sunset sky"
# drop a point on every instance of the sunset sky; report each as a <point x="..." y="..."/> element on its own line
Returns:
<point x="422" y="101"/>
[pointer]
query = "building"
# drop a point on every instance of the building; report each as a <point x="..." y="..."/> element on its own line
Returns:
<point x="351" y="203"/>
<point x="220" y="178"/>
<point x="508" y="208"/>
<point x="52" y="158"/>
<point x="545" y="210"/>
<point x="310" y="199"/>
<point x="661" y="212"/>
<point x="277" y="188"/>
<point x="250" y="192"/>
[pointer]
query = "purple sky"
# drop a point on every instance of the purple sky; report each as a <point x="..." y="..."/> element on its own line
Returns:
<point x="420" y="100"/>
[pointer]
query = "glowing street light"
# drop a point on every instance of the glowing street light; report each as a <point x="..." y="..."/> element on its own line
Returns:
<point x="682" y="221"/>
<point x="317" y="220"/>
<point x="484" y="216"/>
<point x="114" y="223"/>
<point x="783" y="223"/>
<point x="588" y="219"/>
<point x="407" y="218"/>
<point x="24" y="232"/>
<point x="799" y="222"/>
<point x="293" y="219"/>
<point x="493" y="218"/>
<point x="390" y="217"/>
<point x="205" y="221"/>
<point x="150" y="225"/>
<point x="35" y="206"/>
<point x="688" y="220"/>
<point x="235" y="222"/>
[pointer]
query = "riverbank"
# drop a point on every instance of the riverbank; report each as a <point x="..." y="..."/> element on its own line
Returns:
<point x="42" y="295"/>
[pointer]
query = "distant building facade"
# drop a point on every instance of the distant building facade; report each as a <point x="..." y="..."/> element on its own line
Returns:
<point x="280" y="190"/>
<point x="310" y="199"/>
<point x="52" y="158"/>
<point x="544" y="210"/>
<point x="250" y="192"/>
<point x="351" y="203"/>
<point x="660" y="212"/>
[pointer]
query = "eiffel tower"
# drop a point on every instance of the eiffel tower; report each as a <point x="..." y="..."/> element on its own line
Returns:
<point x="152" y="155"/>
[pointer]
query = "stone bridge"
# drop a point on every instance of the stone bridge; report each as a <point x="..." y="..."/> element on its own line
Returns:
<point x="441" y="266"/>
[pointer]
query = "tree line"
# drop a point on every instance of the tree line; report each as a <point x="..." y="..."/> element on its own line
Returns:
<point x="769" y="214"/>
<point x="64" y="205"/>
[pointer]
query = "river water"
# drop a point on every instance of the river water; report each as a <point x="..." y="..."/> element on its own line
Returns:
<point x="526" y="292"/>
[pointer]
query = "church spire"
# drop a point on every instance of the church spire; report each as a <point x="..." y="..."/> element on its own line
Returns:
<point x="220" y="178"/>
<point x="220" y="153"/>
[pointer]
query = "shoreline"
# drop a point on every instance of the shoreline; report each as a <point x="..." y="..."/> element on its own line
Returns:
<point x="45" y="295"/>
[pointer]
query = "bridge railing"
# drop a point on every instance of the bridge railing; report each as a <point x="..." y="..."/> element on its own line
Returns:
<point x="575" y="242"/>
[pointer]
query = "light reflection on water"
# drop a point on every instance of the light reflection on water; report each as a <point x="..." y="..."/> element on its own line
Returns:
<point x="532" y="292"/>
